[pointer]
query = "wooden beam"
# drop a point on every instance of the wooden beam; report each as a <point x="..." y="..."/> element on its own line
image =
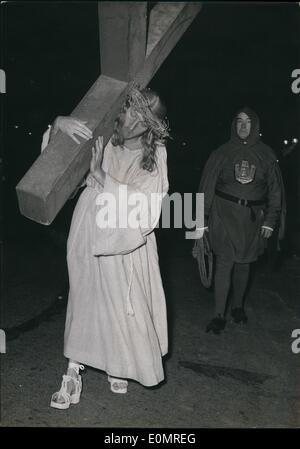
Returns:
<point x="168" y="22"/>
<point x="53" y="177"/>
<point x="123" y="32"/>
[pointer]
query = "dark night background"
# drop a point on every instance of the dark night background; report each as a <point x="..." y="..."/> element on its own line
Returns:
<point x="233" y="54"/>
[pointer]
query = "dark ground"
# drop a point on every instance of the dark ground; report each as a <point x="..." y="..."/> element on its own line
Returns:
<point x="233" y="54"/>
<point x="246" y="377"/>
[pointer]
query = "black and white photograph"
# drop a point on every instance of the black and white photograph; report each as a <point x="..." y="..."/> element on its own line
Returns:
<point x="150" y="217"/>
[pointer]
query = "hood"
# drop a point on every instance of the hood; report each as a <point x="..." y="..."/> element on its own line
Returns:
<point x="254" y="131"/>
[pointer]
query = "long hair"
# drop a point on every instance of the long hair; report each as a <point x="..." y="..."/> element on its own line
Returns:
<point x="153" y="111"/>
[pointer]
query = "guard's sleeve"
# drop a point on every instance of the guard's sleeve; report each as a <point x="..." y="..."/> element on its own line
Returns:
<point x="45" y="141"/>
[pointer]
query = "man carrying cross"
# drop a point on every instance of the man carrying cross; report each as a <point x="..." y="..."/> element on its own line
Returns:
<point x="116" y="315"/>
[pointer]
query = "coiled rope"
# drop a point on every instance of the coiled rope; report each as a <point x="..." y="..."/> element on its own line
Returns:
<point x="203" y="254"/>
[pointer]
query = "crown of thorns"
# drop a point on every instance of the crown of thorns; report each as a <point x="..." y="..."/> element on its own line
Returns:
<point x="141" y="104"/>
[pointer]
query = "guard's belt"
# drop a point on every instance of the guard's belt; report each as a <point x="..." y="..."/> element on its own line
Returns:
<point x="241" y="201"/>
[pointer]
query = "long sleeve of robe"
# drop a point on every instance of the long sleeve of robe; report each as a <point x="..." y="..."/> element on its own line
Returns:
<point x="116" y="316"/>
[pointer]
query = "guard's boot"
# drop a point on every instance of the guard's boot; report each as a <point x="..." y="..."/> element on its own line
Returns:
<point x="216" y="325"/>
<point x="238" y="315"/>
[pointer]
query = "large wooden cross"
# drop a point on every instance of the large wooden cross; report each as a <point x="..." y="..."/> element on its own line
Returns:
<point x="132" y="48"/>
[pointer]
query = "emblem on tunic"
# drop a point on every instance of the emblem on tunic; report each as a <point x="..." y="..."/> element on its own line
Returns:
<point x="244" y="173"/>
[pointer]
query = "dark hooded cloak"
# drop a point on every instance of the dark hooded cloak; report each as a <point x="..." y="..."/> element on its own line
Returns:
<point x="234" y="229"/>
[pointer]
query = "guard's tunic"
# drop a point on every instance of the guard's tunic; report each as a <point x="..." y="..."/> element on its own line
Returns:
<point x="246" y="169"/>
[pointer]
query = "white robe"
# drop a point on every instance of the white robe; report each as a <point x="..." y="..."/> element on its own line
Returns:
<point x="116" y="316"/>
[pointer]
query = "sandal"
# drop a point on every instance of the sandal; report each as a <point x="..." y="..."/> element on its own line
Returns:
<point x="216" y="325"/>
<point x="68" y="398"/>
<point x="118" y="385"/>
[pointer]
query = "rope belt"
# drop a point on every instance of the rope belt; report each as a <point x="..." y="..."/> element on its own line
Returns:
<point x="242" y="201"/>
